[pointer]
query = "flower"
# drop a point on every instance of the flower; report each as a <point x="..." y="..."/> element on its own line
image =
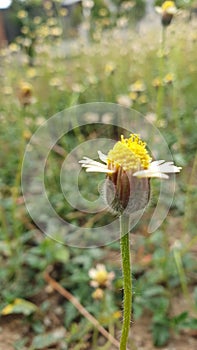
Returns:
<point x="98" y="294"/>
<point x="138" y="86"/>
<point x="169" y="78"/>
<point x="142" y="99"/>
<point x="100" y="277"/>
<point x="157" y="82"/>
<point x="133" y="95"/>
<point x="167" y="11"/>
<point x="129" y="168"/>
<point x="110" y="68"/>
<point x="25" y="92"/>
<point x="124" y="100"/>
<point x="22" y="14"/>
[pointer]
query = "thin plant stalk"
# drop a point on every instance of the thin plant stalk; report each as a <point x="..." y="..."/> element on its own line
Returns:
<point x="181" y="272"/>
<point x="160" y="95"/>
<point x="127" y="281"/>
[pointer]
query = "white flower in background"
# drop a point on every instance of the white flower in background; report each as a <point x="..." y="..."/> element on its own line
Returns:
<point x="100" y="277"/>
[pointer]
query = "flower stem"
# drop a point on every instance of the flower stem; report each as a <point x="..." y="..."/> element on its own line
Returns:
<point x="127" y="281"/>
<point x="160" y="95"/>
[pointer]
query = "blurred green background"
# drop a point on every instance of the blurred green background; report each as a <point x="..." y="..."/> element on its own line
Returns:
<point x="54" y="56"/>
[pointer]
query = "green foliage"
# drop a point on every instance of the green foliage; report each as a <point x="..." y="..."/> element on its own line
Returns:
<point x="48" y="339"/>
<point x="19" y="306"/>
<point x="100" y="71"/>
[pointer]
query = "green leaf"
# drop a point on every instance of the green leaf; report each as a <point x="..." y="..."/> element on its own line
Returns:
<point x="153" y="291"/>
<point x="48" y="339"/>
<point x="20" y="344"/>
<point x="70" y="314"/>
<point x="19" y="306"/>
<point x="5" y="248"/>
<point x="61" y="254"/>
<point x="179" y="319"/>
<point x="195" y="295"/>
<point x="160" y="332"/>
<point x="190" y="323"/>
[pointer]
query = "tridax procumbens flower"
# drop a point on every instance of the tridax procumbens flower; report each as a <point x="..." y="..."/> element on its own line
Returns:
<point x="25" y="92"/>
<point x="129" y="168"/>
<point x="167" y="11"/>
<point x="100" y="277"/>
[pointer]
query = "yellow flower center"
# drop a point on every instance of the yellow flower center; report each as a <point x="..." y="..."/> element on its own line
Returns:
<point x="101" y="277"/>
<point x="130" y="154"/>
<point x="167" y="4"/>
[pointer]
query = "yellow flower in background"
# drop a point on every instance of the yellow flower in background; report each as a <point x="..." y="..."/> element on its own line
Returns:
<point x="25" y="93"/>
<point x="157" y="82"/>
<point x="169" y="7"/>
<point x="128" y="167"/>
<point x="52" y="22"/>
<point x="7" y="90"/>
<point x="47" y="5"/>
<point x="55" y="31"/>
<point x="22" y="14"/>
<point x="98" y="294"/>
<point x="142" y="99"/>
<point x="37" y="20"/>
<point x="14" y="47"/>
<point x="100" y="277"/>
<point x="63" y="12"/>
<point x="117" y="314"/>
<point x="31" y="72"/>
<point x="167" y="11"/>
<point x="27" y="134"/>
<point x="55" y="82"/>
<point x="110" y="68"/>
<point x="169" y="78"/>
<point x="138" y="86"/>
<point x="133" y="95"/>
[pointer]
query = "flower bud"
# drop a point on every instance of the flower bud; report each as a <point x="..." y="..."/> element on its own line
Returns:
<point x="125" y="193"/>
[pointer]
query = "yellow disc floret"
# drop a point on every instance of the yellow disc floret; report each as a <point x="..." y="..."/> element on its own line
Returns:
<point x="130" y="154"/>
<point x="168" y="5"/>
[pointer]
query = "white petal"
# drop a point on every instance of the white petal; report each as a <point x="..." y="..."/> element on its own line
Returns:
<point x="157" y="162"/>
<point x="95" y="169"/>
<point x="94" y="166"/>
<point x="102" y="157"/>
<point x="100" y="267"/>
<point x="94" y="284"/>
<point x="158" y="9"/>
<point x="171" y="10"/>
<point x="167" y="167"/>
<point x="150" y="173"/>
<point x="158" y="168"/>
<point x="92" y="273"/>
<point x="88" y="161"/>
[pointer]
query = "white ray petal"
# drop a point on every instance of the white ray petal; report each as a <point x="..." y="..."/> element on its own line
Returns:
<point x="167" y="167"/>
<point x="98" y="169"/>
<point x="102" y="157"/>
<point x="150" y="173"/>
<point x="87" y="161"/>
<point x="171" y="10"/>
<point x="158" y="168"/>
<point x="157" y="162"/>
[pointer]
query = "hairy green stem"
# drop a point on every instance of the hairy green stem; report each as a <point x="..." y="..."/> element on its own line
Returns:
<point x="127" y="281"/>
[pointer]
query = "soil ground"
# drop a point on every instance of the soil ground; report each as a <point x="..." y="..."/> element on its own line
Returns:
<point x="13" y="329"/>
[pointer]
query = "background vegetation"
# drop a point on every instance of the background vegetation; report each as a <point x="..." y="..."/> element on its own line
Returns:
<point x="43" y="72"/>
